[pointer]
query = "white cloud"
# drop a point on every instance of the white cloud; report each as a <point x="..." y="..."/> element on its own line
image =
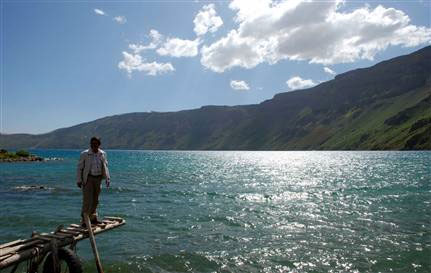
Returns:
<point x="134" y="62"/>
<point x="176" y="47"/>
<point x="120" y="19"/>
<point x="207" y="20"/>
<point x="99" y="12"/>
<point x="299" y="83"/>
<point x="239" y="85"/>
<point x="315" y="31"/>
<point x="329" y="71"/>
<point x="156" y="39"/>
<point x="232" y="50"/>
<point x="249" y="9"/>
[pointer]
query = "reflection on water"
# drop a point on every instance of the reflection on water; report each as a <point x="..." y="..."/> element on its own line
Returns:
<point x="239" y="211"/>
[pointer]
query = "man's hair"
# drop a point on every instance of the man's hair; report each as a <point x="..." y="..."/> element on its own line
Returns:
<point x="95" y="139"/>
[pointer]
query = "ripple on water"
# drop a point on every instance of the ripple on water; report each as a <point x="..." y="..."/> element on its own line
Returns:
<point x="240" y="211"/>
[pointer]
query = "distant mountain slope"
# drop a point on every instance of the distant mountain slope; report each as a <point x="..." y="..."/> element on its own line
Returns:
<point x="387" y="106"/>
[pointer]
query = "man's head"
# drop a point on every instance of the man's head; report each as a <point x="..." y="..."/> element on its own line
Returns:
<point x="95" y="144"/>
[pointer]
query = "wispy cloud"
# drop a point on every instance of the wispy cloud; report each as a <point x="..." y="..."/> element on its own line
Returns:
<point x="156" y="39"/>
<point x="239" y="85"/>
<point x="120" y="19"/>
<point x="329" y="71"/>
<point x="299" y="83"/>
<point x="99" y="12"/>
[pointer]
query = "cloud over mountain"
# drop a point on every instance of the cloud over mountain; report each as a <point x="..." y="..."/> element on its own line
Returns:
<point x="314" y="31"/>
<point x="134" y="62"/>
<point x="299" y="83"/>
<point x="239" y="85"/>
<point x="329" y="71"/>
<point x="269" y="31"/>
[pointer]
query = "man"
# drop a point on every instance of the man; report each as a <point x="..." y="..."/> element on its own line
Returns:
<point x="92" y="168"/>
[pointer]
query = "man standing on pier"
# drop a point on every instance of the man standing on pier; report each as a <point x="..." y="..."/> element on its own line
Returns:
<point x="92" y="168"/>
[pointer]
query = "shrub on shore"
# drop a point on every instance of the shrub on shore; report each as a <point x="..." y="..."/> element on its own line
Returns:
<point x="4" y="154"/>
<point x="21" y="155"/>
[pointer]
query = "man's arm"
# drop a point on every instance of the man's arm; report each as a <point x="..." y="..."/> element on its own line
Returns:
<point x="80" y="169"/>
<point x="108" y="177"/>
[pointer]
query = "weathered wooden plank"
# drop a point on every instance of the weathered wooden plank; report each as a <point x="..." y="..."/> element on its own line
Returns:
<point x="102" y="225"/>
<point x="50" y="237"/>
<point x="69" y="232"/>
<point x="5" y="256"/>
<point x="22" y="250"/>
<point x="12" y="243"/>
<point x="17" y="248"/>
<point x="17" y="242"/>
<point x="64" y="234"/>
<point x="80" y="229"/>
<point x="43" y="238"/>
<point x="30" y="253"/>
<point x="53" y="236"/>
<point x="118" y="219"/>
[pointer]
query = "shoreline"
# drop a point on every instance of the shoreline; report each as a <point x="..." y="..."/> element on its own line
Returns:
<point x="22" y="159"/>
<point x="22" y="156"/>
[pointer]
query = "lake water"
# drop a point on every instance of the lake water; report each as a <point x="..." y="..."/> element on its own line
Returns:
<point x="237" y="211"/>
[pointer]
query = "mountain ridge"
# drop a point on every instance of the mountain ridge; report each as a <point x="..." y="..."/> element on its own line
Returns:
<point x="384" y="107"/>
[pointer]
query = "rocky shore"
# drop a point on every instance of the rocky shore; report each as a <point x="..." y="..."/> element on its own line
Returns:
<point x="22" y="159"/>
<point x="19" y="156"/>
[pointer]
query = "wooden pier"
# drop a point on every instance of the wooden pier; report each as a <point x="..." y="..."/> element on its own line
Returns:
<point x="40" y="245"/>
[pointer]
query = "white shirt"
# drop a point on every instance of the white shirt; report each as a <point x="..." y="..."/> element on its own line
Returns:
<point x="96" y="163"/>
<point x="84" y="165"/>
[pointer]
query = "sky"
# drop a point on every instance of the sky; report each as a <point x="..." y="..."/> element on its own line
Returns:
<point x="69" y="62"/>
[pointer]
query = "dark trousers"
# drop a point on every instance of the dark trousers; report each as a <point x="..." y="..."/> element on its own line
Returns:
<point x="90" y="196"/>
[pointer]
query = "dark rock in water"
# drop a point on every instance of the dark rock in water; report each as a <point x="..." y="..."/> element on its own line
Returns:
<point x="22" y="159"/>
<point x="52" y="159"/>
<point x="32" y="188"/>
<point x="32" y="158"/>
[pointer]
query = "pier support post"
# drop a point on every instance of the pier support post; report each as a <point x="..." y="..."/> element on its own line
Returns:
<point x="93" y="243"/>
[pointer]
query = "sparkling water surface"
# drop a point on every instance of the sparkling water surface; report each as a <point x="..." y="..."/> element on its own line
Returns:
<point x="237" y="211"/>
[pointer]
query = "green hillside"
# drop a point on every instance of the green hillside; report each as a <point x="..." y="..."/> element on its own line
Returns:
<point x="387" y="106"/>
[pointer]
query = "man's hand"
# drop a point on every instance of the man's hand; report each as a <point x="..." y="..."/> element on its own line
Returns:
<point x="79" y="184"/>
<point x="108" y="182"/>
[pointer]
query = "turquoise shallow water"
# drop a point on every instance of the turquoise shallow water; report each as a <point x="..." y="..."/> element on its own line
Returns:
<point x="238" y="211"/>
